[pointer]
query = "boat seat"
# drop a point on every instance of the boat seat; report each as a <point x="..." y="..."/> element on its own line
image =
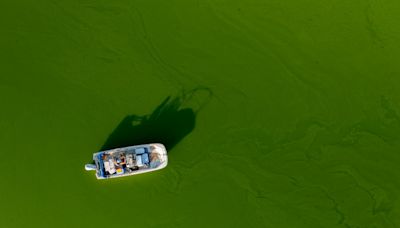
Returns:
<point x="109" y="166"/>
<point x="145" y="158"/>
<point x="140" y="151"/>
<point x="129" y="161"/>
<point x="139" y="160"/>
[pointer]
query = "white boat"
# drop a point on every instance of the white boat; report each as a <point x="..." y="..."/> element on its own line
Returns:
<point x="129" y="160"/>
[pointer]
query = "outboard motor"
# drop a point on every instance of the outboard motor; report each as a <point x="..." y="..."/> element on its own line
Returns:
<point x="90" y="167"/>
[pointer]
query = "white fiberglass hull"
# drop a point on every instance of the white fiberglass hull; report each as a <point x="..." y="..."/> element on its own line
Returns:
<point x="128" y="161"/>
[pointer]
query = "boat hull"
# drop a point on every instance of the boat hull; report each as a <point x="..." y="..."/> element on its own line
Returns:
<point x="129" y="161"/>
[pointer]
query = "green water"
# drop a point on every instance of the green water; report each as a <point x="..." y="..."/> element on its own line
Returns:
<point x="275" y="113"/>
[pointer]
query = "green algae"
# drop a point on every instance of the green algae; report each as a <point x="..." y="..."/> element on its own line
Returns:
<point x="296" y="122"/>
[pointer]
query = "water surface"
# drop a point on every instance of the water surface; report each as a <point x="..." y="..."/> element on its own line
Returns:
<point x="295" y="122"/>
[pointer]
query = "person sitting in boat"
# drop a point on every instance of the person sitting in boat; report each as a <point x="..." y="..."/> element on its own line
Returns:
<point x="122" y="158"/>
<point x="120" y="162"/>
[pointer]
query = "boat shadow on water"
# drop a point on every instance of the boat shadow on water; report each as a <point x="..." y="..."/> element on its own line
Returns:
<point x="168" y="124"/>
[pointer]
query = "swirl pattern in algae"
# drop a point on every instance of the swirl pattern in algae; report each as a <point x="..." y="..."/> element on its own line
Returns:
<point x="275" y="113"/>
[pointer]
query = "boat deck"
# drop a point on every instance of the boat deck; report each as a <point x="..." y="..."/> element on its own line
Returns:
<point x="128" y="160"/>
